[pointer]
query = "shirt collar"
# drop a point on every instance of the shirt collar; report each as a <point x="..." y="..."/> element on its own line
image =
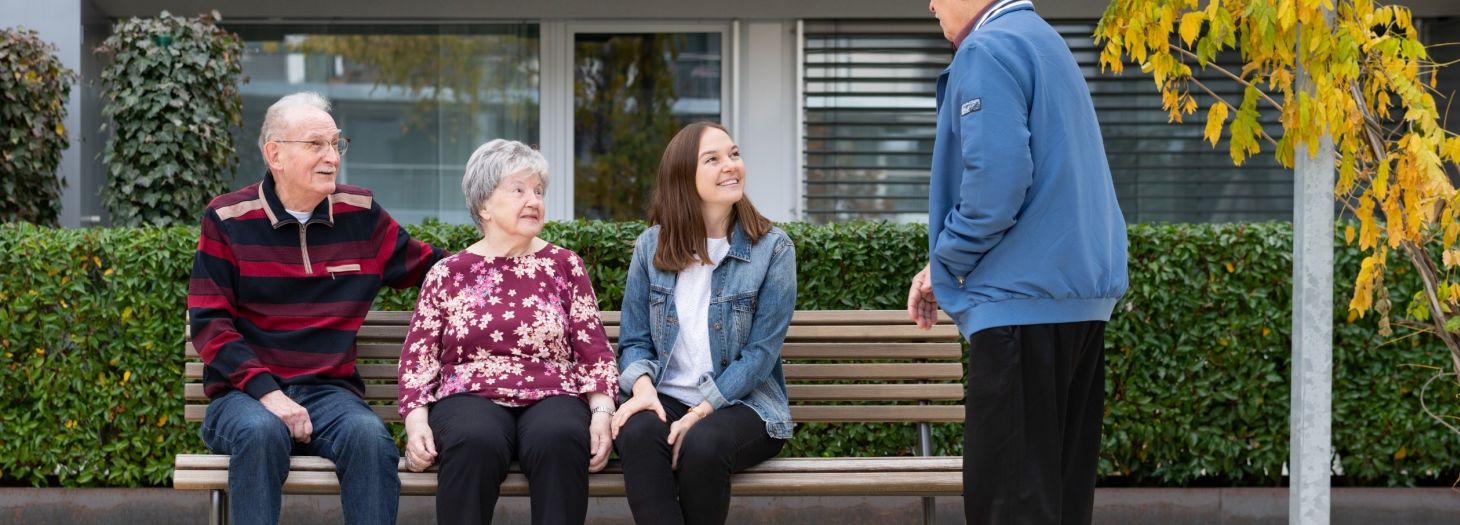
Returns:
<point x="989" y="11"/>
<point x="323" y="213"/>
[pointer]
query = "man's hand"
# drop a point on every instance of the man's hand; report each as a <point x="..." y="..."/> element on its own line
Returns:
<point x="294" y="416"/>
<point x="420" y="441"/>
<point x="922" y="306"/>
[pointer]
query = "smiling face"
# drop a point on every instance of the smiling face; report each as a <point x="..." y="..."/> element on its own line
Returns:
<point x="304" y="173"/>
<point x="719" y="172"/>
<point x="516" y="208"/>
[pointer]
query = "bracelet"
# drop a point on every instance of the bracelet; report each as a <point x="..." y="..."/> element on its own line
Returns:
<point x="603" y="410"/>
<point x="697" y="413"/>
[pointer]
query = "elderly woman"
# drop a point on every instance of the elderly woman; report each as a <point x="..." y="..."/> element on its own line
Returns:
<point x="506" y="356"/>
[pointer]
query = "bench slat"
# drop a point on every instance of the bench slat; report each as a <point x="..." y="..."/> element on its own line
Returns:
<point x="912" y="483"/>
<point x="797" y="333"/>
<point x="799" y="413"/>
<point x="797" y="392"/>
<point x="869" y="464"/>
<point x="794" y="372"/>
<point x="847" y="351"/>
<point x="861" y="317"/>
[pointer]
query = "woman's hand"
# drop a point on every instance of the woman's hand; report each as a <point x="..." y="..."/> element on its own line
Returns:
<point x="681" y="427"/>
<point x="645" y="398"/>
<point x="599" y="440"/>
<point x="420" y="442"/>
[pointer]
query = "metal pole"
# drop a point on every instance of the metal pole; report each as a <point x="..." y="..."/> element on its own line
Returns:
<point x="1311" y="417"/>
<point x="220" y="508"/>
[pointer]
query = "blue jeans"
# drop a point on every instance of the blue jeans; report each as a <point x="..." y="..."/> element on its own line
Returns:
<point x="346" y="431"/>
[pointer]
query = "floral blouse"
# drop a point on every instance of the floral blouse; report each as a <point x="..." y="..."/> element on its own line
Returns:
<point x="510" y="329"/>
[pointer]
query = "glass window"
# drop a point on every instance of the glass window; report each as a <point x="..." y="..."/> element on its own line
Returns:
<point x="415" y="101"/>
<point x="870" y="122"/>
<point x="631" y="93"/>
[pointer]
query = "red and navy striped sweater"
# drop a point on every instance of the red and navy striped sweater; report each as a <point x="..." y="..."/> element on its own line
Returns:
<point x="273" y="302"/>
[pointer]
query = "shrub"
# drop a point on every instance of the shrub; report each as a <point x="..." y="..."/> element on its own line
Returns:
<point x="34" y="87"/>
<point x="171" y="91"/>
<point x="91" y="333"/>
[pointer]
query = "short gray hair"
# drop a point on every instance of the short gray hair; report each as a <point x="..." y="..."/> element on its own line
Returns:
<point x="492" y="162"/>
<point x="275" y="120"/>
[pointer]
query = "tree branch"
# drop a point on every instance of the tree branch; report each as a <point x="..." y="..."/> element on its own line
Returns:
<point x="1229" y="74"/>
<point x="1219" y="98"/>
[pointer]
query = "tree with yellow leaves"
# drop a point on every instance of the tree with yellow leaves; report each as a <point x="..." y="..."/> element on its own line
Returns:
<point x="1371" y="89"/>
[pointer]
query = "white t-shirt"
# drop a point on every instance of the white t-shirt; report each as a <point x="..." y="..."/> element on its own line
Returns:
<point x="303" y="216"/>
<point x="690" y="358"/>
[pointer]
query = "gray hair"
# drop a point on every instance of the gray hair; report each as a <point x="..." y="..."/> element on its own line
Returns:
<point x="492" y="162"/>
<point x="275" y="119"/>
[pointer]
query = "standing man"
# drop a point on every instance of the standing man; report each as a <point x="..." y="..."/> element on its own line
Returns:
<point x="1027" y="255"/>
<point x="285" y="271"/>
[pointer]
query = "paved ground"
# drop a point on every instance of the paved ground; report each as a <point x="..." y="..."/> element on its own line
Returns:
<point x="1244" y="506"/>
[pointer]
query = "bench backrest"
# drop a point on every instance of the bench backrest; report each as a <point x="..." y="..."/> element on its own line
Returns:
<point x="841" y="366"/>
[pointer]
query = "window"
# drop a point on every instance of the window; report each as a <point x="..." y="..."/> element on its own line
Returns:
<point x="415" y="100"/>
<point x="869" y="99"/>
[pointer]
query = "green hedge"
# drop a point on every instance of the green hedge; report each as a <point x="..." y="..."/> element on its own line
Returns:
<point x="91" y="331"/>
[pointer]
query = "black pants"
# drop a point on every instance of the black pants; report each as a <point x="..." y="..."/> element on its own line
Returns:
<point x="1031" y="442"/>
<point x="477" y="439"/>
<point x="730" y="440"/>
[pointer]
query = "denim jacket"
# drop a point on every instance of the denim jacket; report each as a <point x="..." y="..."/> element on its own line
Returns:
<point x="753" y="294"/>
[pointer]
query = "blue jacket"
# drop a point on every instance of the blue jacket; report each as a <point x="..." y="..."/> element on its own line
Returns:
<point x="1023" y="223"/>
<point x="752" y="297"/>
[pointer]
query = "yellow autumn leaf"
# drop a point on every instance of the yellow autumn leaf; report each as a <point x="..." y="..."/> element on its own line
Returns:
<point x="126" y="376"/>
<point x="126" y="314"/>
<point x="1215" y="117"/>
<point x="1230" y="267"/>
<point x="1348" y="234"/>
<point x="60" y="129"/>
<point x="1266" y="331"/>
<point x="1191" y="26"/>
<point x="162" y="420"/>
<point x="1402" y="453"/>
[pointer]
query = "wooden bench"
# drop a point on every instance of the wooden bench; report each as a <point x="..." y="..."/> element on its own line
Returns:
<point x="851" y="366"/>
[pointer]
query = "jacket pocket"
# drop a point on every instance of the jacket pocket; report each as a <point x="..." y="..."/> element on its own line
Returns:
<point x="742" y="308"/>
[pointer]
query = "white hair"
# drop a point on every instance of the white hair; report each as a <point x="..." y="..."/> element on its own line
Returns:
<point x="492" y="162"/>
<point x="276" y="119"/>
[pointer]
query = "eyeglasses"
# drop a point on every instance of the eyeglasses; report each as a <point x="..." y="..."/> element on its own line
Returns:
<point x="340" y="145"/>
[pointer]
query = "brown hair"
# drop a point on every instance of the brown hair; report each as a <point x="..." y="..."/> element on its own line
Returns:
<point x="676" y="207"/>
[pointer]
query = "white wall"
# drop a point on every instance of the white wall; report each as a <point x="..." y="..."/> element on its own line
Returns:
<point x="766" y="117"/>
<point x="59" y="23"/>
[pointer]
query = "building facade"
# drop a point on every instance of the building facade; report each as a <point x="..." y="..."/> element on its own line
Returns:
<point x="831" y="101"/>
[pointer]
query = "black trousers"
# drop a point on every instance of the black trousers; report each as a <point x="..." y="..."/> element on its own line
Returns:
<point x="1031" y="442"/>
<point x="730" y="440"/>
<point x="477" y="439"/>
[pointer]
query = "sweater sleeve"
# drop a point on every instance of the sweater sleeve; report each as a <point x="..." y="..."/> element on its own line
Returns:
<point x="998" y="166"/>
<point x="213" y="313"/>
<point x="404" y="261"/>
<point x="594" y="365"/>
<point x="419" y="372"/>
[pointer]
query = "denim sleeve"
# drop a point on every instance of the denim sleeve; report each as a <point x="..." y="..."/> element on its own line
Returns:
<point x="775" y="303"/>
<point x="637" y="355"/>
<point x="998" y="166"/>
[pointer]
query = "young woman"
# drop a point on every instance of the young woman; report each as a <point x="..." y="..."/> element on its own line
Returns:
<point x="709" y="296"/>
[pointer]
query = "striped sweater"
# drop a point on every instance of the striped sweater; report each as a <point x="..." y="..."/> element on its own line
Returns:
<point x="274" y="303"/>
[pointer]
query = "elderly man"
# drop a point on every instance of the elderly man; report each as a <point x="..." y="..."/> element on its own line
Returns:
<point x="1027" y="255"/>
<point x="284" y="274"/>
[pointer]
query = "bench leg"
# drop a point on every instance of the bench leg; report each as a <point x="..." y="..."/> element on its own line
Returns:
<point x="219" y="513"/>
<point x="925" y="442"/>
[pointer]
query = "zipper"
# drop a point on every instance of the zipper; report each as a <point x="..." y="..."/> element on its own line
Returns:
<point x="304" y="249"/>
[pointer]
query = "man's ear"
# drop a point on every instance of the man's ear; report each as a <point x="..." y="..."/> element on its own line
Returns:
<point x="271" y="156"/>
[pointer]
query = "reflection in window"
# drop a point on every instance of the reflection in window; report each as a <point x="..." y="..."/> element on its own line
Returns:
<point x="414" y="100"/>
<point x="632" y="92"/>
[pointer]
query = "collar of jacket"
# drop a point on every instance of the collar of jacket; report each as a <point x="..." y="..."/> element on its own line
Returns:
<point x="739" y="244"/>
<point x="279" y="216"/>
